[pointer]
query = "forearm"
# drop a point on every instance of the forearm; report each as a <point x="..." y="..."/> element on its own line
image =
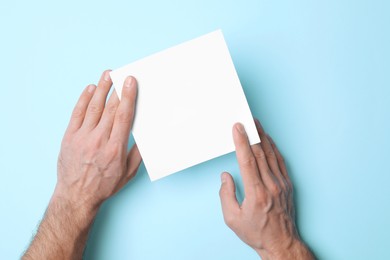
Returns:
<point x="63" y="231"/>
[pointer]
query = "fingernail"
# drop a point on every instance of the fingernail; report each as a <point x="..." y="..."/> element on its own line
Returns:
<point x="91" y="88"/>
<point x="223" y="177"/>
<point x="107" y="76"/>
<point x="129" y="82"/>
<point x="240" y="128"/>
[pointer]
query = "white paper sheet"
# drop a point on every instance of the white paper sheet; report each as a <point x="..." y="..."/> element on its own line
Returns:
<point x="189" y="97"/>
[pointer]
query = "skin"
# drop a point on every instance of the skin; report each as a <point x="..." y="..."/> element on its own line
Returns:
<point x="266" y="218"/>
<point x="94" y="164"/>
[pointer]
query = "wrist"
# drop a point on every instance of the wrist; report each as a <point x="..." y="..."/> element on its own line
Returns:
<point x="81" y="210"/>
<point x="296" y="249"/>
<point x="76" y="198"/>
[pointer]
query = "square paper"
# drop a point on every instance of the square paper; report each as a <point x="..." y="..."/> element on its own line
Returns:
<point x="189" y="97"/>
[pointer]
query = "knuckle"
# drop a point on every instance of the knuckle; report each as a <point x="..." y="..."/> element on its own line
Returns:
<point x="91" y="148"/>
<point x="115" y="149"/>
<point x="223" y="192"/>
<point x="249" y="162"/>
<point x="262" y="200"/>
<point x="94" y="109"/>
<point x="258" y="154"/>
<point x="268" y="205"/>
<point x="260" y="195"/>
<point x="259" y="203"/>
<point x="275" y="190"/>
<point x="78" y="112"/>
<point x="269" y="153"/>
<point x="96" y="140"/>
<point x="123" y="117"/>
<point x="111" y="109"/>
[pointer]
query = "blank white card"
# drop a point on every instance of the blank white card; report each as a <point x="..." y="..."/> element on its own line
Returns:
<point x="189" y="97"/>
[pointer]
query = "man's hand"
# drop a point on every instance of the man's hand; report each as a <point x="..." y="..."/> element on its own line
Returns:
<point x="265" y="220"/>
<point x="93" y="164"/>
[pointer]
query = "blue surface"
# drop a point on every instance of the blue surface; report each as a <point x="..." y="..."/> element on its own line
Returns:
<point x="316" y="73"/>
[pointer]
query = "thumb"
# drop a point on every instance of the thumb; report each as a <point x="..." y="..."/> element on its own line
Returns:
<point x="229" y="203"/>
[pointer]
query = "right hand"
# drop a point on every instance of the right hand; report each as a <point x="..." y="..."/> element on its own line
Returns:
<point x="265" y="220"/>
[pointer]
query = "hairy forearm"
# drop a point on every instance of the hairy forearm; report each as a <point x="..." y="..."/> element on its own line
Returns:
<point x="63" y="231"/>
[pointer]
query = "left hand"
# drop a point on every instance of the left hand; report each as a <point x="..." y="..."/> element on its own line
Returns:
<point x="93" y="163"/>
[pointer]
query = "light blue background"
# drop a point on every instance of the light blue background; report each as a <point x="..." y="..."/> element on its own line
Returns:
<point x="316" y="73"/>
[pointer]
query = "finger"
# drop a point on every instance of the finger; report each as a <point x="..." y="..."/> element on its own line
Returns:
<point x="96" y="106"/>
<point x="133" y="162"/>
<point x="267" y="177"/>
<point x="283" y="168"/>
<point x="229" y="203"/>
<point x="125" y="113"/>
<point x="107" y="120"/>
<point x="246" y="160"/>
<point x="80" y="109"/>
<point x="274" y="174"/>
<point x="279" y="157"/>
